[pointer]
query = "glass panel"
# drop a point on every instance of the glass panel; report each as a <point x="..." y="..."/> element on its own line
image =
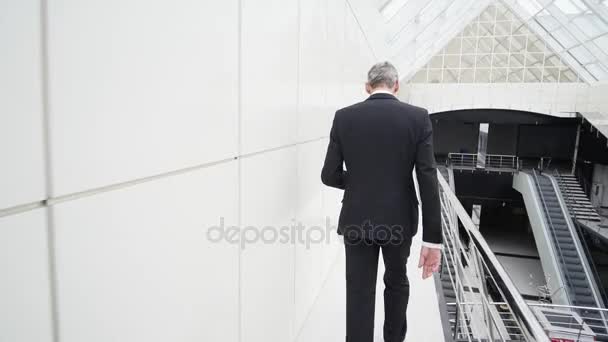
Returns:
<point x="486" y="29"/>
<point x="454" y="46"/>
<point x="435" y="75"/>
<point x="392" y="7"/>
<point x="570" y="6"/>
<point x="452" y="61"/>
<point x="602" y="43"/>
<point x="582" y="55"/>
<point x="469" y="45"/>
<point x="420" y="76"/>
<point x="548" y="22"/>
<point x="552" y="60"/>
<point x="503" y="13"/>
<point x="535" y="44"/>
<point x="534" y="59"/>
<point x="598" y="71"/>
<point x="516" y="60"/>
<point x="516" y="25"/>
<point x="533" y="75"/>
<point x="551" y="75"/>
<point x="436" y="62"/>
<point x="468" y="61"/>
<point x="590" y="25"/>
<point x="485" y="51"/>
<point x="466" y="76"/>
<point x="485" y="45"/>
<point x="530" y="6"/>
<point x="500" y="60"/>
<point x="564" y="38"/>
<point x="518" y="43"/>
<point x="489" y="15"/>
<point x="501" y="45"/>
<point x="483" y="61"/>
<point x="499" y="75"/>
<point x="502" y="28"/>
<point x="515" y="75"/>
<point x="470" y="30"/>
<point x="450" y="76"/>
<point x="482" y="76"/>
<point x="521" y="30"/>
<point x="567" y="75"/>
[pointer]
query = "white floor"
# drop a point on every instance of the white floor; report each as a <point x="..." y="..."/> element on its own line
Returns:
<point x="326" y="321"/>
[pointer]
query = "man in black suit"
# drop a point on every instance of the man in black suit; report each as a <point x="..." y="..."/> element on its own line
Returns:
<point x="380" y="141"/>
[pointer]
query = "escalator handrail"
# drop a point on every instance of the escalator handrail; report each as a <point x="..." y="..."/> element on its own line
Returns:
<point x="516" y="301"/>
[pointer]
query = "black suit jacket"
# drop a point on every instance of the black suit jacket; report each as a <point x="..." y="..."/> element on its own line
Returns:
<point x="380" y="141"/>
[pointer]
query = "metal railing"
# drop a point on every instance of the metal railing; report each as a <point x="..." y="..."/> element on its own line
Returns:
<point x="488" y="305"/>
<point x="588" y="315"/>
<point x="495" y="162"/>
<point x="463" y="160"/>
<point x="502" y="162"/>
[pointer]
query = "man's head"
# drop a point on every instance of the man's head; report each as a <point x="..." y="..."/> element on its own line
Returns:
<point x="382" y="76"/>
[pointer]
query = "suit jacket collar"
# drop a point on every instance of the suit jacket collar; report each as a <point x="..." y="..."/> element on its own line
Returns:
<point x="382" y="96"/>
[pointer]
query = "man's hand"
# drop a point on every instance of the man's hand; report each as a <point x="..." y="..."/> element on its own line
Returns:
<point x="430" y="259"/>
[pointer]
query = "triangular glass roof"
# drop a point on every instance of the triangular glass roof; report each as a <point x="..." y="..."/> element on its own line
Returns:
<point x="496" y="47"/>
<point x="575" y="30"/>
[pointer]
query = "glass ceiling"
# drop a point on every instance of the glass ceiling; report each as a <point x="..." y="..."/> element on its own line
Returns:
<point x="496" y="47"/>
<point x="575" y="30"/>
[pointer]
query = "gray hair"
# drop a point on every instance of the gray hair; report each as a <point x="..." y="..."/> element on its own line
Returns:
<point x="383" y="73"/>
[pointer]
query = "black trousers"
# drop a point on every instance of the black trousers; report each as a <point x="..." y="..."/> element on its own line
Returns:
<point x="361" y="273"/>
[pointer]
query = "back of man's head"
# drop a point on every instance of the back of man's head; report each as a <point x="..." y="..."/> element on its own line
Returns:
<point x="383" y="75"/>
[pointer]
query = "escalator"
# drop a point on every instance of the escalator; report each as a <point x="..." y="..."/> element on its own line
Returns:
<point x="572" y="264"/>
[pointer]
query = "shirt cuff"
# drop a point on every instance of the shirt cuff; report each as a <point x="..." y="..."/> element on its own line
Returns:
<point x="432" y="245"/>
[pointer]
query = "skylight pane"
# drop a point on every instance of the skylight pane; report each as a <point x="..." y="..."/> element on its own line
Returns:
<point x="391" y="8"/>
<point x="571" y="7"/>
<point x="602" y="43"/>
<point x="590" y="25"/>
<point x="582" y="55"/>
<point x="531" y="7"/>
<point x="488" y="52"/>
<point x="598" y="71"/>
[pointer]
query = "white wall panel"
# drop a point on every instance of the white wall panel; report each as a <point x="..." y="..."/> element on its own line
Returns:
<point x="357" y="61"/>
<point x="336" y="12"/>
<point x="332" y="203"/>
<point x="136" y="265"/>
<point x="314" y="68"/>
<point x="21" y="149"/>
<point x="140" y="88"/>
<point x="309" y="212"/>
<point x="25" y="313"/>
<point x="269" y="73"/>
<point x="268" y="205"/>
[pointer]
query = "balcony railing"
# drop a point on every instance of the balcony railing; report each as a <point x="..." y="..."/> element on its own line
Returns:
<point x="487" y="306"/>
<point x="492" y="162"/>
